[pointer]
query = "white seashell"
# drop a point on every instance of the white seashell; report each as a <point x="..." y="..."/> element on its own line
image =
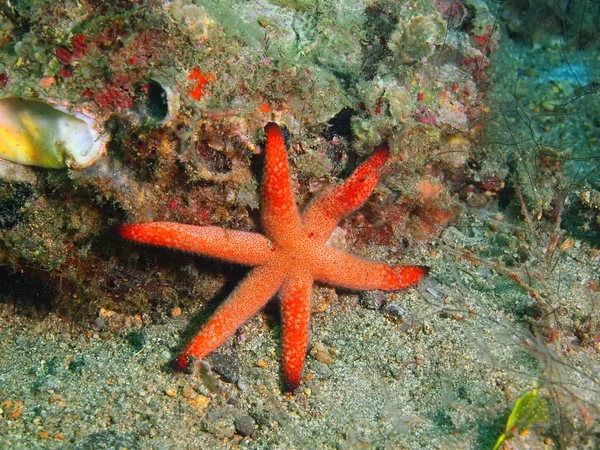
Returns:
<point x="35" y="133"/>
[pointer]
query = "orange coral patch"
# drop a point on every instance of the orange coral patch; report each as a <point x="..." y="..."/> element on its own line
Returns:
<point x="202" y="79"/>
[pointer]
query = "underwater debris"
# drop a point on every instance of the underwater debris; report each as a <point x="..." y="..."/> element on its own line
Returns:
<point x="36" y="133"/>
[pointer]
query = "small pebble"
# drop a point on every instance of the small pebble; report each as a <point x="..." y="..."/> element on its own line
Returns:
<point x="321" y="370"/>
<point x="427" y="329"/>
<point x="244" y="424"/>
<point x="171" y="392"/>
<point x="321" y="353"/>
<point x="199" y="402"/>
<point x="175" y="312"/>
<point x="99" y="323"/>
<point x="189" y="393"/>
<point x="371" y="299"/>
<point x="395" y="310"/>
<point x="227" y="366"/>
<point x="262" y="364"/>
<point x="396" y="372"/>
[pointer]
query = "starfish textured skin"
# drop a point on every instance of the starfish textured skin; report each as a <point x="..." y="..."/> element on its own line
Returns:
<point x="287" y="261"/>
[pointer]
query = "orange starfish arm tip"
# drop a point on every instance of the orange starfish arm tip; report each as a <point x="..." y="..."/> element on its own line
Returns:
<point x="273" y="131"/>
<point x="378" y="158"/>
<point x="351" y="194"/>
<point x="251" y="295"/>
<point x="323" y="214"/>
<point x="398" y="277"/>
<point x="181" y="363"/>
<point x="295" y="296"/>
<point x="280" y="217"/>
<point x="342" y="269"/>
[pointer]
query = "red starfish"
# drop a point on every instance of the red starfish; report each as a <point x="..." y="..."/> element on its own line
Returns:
<point x="293" y="255"/>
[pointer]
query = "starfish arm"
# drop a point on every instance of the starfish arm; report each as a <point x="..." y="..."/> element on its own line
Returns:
<point x="281" y="220"/>
<point x="341" y="269"/>
<point x="323" y="214"/>
<point x="249" y="297"/>
<point x="295" y="296"/>
<point x="239" y="247"/>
